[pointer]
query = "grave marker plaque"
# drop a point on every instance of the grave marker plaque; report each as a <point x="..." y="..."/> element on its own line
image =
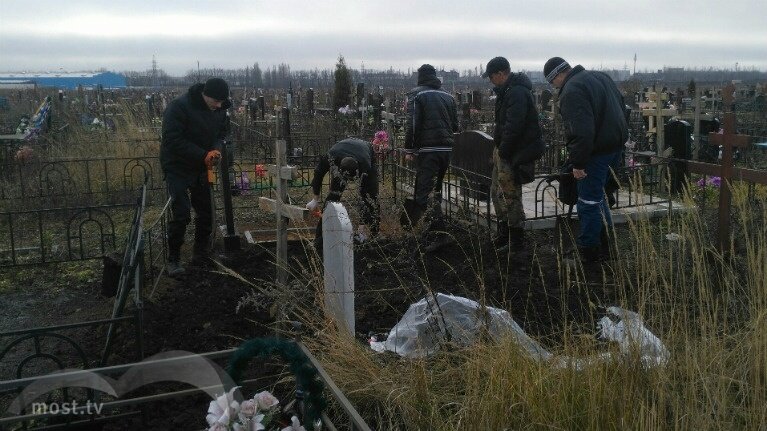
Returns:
<point x="473" y="154"/>
<point x="338" y="262"/>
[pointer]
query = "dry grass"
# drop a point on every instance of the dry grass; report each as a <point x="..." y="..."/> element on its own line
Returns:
<point x="709" y="308"/>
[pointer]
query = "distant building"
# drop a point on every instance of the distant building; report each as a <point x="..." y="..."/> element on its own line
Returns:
<point x="67" y="80"/>
<point x="17" y="84"/>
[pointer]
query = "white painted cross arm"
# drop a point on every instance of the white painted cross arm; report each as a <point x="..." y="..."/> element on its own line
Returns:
<point x="286" y="173"/>
<point x="292" y="212"/>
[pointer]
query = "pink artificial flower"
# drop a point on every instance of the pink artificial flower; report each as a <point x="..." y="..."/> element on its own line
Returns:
<point x="265" y="400"/>
<point x="381" y="135"/>
<point x="260" y="171"/>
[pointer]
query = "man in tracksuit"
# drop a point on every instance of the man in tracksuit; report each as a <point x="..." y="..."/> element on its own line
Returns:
<point x="431" y="121"/>
<point x="518" y="144"/>
<point x="592" y="109"/>
<point x="349" y="160"/>
<point x="193" y="128"/>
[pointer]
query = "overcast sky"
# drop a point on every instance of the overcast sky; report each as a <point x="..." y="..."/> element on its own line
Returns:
<point x="80" y="35"/>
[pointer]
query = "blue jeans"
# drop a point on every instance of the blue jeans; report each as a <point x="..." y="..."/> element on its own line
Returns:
<point x="593" y="210"/>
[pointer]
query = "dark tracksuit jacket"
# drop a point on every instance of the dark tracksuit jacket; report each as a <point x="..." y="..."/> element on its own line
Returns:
<point x="432" y="119"/>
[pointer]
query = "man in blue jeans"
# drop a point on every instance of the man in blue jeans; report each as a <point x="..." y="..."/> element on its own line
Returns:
<point x="592" y="109"/>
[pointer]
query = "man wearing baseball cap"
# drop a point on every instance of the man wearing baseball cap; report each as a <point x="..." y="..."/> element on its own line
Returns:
<point x="518" y="144"/>
<point x="592" y="110"/>
<point x="193" y="127"/>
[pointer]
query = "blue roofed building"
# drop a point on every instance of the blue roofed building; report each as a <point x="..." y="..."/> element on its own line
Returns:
<point x="67" y="80"/>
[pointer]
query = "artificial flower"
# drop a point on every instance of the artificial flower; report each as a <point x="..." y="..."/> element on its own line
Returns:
<point x="223" y="409"/>
<point x="295" y="425"/>
<point x="260" y="171"/>
<point x="265" y="400"/>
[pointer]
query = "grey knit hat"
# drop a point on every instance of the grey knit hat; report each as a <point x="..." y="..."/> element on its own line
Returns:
<point x="554" y="67"/>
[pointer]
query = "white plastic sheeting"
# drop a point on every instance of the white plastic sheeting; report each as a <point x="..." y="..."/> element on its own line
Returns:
<point x="434" y="320"/>
<point x="427" y="323"/>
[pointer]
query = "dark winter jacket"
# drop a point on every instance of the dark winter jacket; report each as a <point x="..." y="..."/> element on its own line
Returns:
<point x="517" y="132"/>
<point x="593" y="112"/>
<point x="361" y="150"/>
<point x="189" y="130"/>
<point x="432" y="118"/>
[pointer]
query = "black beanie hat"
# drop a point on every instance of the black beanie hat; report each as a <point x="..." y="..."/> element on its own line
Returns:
<point x="216" y="88"/>
<point x="349" y="166"/>
<point x="426" y="72"/>
<point x="554" y="67"/>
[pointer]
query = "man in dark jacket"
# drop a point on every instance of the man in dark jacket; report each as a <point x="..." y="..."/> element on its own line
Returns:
<point x="432" y="119"/>
<point x="349" y="160"/>
<point x="518" y="144"/>
<point x="193" y="127"/>
<point x="592" y="109"/>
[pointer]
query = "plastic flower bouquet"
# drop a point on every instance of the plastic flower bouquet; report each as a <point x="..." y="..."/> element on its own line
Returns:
<point x="381" y="142"/>
<point x="262" y="412"/>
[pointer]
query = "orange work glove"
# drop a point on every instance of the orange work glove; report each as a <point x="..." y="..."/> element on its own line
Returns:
<point x="212" y="157"/>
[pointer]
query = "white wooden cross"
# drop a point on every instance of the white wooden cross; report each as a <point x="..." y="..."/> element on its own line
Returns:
<point x="284" y="212"/>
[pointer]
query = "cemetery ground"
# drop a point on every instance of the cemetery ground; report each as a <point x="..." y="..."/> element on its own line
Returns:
<point x="709" y="311"/>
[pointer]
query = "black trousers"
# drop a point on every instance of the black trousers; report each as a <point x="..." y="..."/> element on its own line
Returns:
<point x="187" y="193"/>
<point x="429" y="174"/>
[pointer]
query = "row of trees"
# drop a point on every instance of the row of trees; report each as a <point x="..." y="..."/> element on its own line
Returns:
<point x="281" y="76"/>
<point x="278" y="76"/>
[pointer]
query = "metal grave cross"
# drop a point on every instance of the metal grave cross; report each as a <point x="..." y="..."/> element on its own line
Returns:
<point x="284" y="212"/>
<point x="728" y="140"/>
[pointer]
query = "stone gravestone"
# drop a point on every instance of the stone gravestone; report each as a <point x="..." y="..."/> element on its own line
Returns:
<point x="473" y="154"/>
<point x="476" y="99"/>
<point x="338" y="262"/>
<point x="545" y="100"/>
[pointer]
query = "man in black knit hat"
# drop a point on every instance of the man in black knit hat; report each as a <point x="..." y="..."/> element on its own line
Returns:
<point x="193" y="128"/>
<point x="432" y="119"/>
<point x="593" y="114"/>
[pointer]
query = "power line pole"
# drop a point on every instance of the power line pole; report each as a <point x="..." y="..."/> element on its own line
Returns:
<point x="635" y="63"/>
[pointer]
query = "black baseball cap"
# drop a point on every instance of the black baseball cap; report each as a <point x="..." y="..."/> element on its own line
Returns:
<point x="497" y="64"/>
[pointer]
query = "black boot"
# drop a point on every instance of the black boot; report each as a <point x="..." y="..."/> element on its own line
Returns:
<point x="517" y="238"/>
<point x="411" y="215"/>
<point x="502" y="239"/>
<point x="589" y="255"/>
<point x="174" y="266"/>
<point x="605" y="252"/>
<point x="201" y="254"/>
